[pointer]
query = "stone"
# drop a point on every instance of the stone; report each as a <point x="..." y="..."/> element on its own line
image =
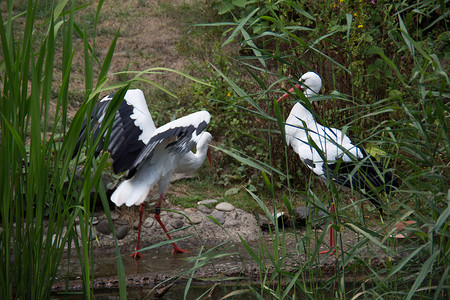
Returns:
<point x="121" y="222"/>
<point x="207" y="202"/>
<point x="94" y="220"/>
<point x="204" y="209"/>
<point x="103" y="227"/>
<point x="190" y="210"/>
<point x="114" y="215"/>
<point x="219" y="216"/>
<point x="135" y="225"/>
<point x="177" y="216"/>
<point x="177" y="223"/>
<point x="304" y="214"/>
<point x="224" y="206"/>
<point x="148" y="223"/>
<point x="121" y="231"/>
<point x="196" y="219"/>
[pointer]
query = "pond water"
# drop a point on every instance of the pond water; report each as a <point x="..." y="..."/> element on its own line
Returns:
<point x="154" y="267"/>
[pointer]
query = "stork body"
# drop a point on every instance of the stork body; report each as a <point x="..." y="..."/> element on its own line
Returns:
<point x="329" y="153"/>
<point x="150" y="155"/>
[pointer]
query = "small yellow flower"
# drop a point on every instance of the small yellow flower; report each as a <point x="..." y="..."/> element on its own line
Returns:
<point x="341" y="0"/>
<point x="355" y="14"/>
<point x="229" y="94"/>
<point x="360" y="26"/>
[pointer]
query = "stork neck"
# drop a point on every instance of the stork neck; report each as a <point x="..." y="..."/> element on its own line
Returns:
<point x="300" y="112"/>
<point x="202" y="149"/>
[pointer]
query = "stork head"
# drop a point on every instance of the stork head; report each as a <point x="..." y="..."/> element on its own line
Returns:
<point x="310" y="83"/>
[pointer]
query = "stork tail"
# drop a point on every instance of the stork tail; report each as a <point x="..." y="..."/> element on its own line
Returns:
<point x="130" y="193"/>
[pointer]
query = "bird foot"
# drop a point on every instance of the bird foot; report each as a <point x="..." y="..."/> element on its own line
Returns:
<point x="177" y="249"/>
<point x="137" y="255"/>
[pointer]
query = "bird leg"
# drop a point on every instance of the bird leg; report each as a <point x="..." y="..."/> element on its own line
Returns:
<point x="331" y="209"/>
<point x="136" y="254"/>
<point x="176" y="249"/>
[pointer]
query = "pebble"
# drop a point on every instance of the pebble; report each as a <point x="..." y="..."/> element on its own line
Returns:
<point x="148" y="223"/>
<point x="190" y="210"/>
<point x="196" y="219"/>
<point x="224" y="206"/>
<point x="121" y="231"/>
<point x="219" y="216"/>
<point x="136" y="225"/>
<point x="103" y="227"/>
<point x="204" y="209"/>
<point x="207" y="202"/>
<point x="177" y="223"/>
<point x="121" y="222"/>
<point x="114" y="215"/>
<point x="178" y="216"/>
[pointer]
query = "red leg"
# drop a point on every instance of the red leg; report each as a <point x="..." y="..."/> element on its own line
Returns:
<point x="136" y="254"/>
<point x="331" y="234"/>
<point x="176" y="249"/>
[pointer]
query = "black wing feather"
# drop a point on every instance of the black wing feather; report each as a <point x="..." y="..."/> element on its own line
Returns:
<point x="364" y="175"/>
<point x="183" y="144"/>
<point x="124" y="144"/>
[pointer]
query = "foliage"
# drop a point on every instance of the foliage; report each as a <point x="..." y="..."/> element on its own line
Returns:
<point x="392" y="97"/>
<point x="46" y="206"/>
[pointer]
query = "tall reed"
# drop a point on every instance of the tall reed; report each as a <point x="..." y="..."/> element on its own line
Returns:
<point x="45" y="206"/>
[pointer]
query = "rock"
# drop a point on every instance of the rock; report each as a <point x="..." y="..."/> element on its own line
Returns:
<point x="103" y="227"/>
<point x="303" y="214"/>
<point x="196" y="219"/>
<point x="114" y="215"/>
<point x="121" y="231"/>
<point x="190" y="210"/>
<point x="121" y="222"/>
<point x="219" y="216"/>
<point x="224" y="206"/>
<point x="177" y="223"/>
<point x="94" y="220"/>
<point x="204" y="209"/>
<point x="135" y="225"/>
<point x="148" y="223"/>
<point x="207" y="202"/>
<point x="177" y="216"/>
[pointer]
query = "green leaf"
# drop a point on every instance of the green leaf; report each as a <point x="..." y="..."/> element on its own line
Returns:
<point x="238" y="28"/>
<point x="232" y="191"/>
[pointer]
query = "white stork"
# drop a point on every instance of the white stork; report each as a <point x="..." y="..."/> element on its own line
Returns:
<point x="329" y="153"/>
<point x="150" y="155"/>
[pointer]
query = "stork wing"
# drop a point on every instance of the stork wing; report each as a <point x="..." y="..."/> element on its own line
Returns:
<point x="131" y="130"/>
<point x="185" y="131"/>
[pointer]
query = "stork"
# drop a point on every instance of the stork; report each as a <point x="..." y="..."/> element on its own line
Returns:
<point x="150" y="155"/>
<point x="330" y="154"/>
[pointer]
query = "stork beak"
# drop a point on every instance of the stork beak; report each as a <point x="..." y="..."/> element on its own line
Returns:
<point x="298" y="86"/>
<point x="208" y="153"/>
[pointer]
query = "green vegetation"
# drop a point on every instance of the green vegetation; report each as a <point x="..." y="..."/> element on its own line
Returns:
<point x="385" y="70"/>
<point x="385" y="83"/>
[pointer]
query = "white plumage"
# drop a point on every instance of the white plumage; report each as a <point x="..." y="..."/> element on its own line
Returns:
<point x="329" y="153"/>
<point x="150" y="155"/>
